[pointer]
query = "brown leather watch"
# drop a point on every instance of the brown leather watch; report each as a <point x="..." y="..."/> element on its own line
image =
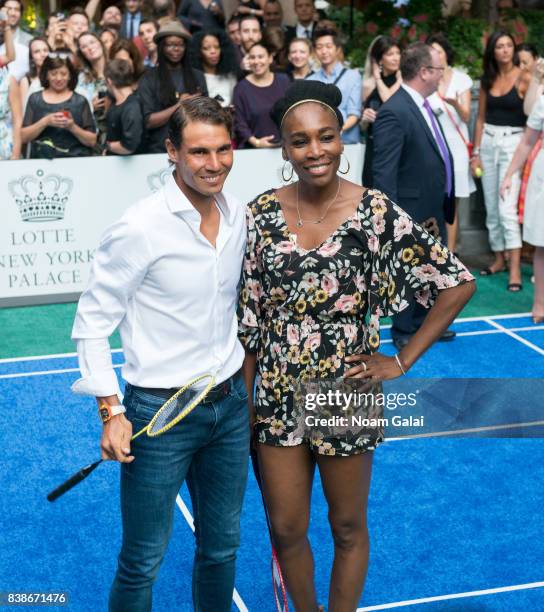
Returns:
<point x="106" y="412"/>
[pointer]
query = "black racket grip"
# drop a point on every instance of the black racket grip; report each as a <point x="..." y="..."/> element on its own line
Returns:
<point x="73" y="481"/>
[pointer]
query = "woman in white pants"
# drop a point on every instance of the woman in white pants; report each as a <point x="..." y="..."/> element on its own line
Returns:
<point x="499" y="128"/>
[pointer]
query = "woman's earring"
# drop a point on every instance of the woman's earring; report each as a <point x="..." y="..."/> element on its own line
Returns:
<point x="347" y="169"/>
<point x="289" y="178"/>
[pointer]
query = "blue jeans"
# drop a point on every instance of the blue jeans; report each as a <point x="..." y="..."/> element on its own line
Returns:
<point x="210" y="449"/>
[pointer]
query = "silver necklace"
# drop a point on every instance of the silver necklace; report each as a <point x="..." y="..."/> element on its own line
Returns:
<point x="302" y="221"/>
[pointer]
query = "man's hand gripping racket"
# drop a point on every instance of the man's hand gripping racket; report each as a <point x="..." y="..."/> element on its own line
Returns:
<point x="182" y="403"/>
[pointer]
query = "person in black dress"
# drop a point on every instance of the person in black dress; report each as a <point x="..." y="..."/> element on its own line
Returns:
<point x="162" y="88"/>
<point x="322" y="254"/>
<point x="58" y="122"/>
<point x="382" y="79"/>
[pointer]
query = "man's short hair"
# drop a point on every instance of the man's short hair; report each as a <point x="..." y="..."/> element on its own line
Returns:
<point x="155" y="23"/>
<point x="322" y="32"/>
<point x="120" y="73"/>
<point x="201" y="109"/>
<point x="78" y="10"/>
<point x="250" y="18"/>
<point x="413" y="59"/>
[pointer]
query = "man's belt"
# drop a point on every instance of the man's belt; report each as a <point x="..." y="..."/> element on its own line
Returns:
<point x="215" y="394"/>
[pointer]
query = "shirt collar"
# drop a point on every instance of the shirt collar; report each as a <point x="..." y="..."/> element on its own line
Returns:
<point x="335" y="71"/>
<point x="178" y="202"/>
<point x="415" y="95"/>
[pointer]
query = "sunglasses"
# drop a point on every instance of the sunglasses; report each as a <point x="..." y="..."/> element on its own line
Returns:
<point x="59" y="54"/>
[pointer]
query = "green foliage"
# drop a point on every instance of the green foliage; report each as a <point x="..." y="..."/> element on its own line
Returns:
<point x="467" y="37"/>
<point x="534" y="20"/>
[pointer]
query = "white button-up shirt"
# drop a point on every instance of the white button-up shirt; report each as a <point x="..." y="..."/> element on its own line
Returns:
<point x="419" y="100"/>
<point x="170" y="292"/>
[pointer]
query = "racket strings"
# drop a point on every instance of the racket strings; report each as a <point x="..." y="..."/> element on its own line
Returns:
<point x="172" y="409"/>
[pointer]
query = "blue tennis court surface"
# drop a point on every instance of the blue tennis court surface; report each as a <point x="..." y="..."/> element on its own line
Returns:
<point x="456" y="524"/>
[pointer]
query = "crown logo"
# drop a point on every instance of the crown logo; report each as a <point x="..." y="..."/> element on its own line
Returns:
<point x="157" y="180"/>
<point x="41" y="198"/>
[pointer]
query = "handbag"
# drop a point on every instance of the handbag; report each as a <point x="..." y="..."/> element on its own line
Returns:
<point x="467" y="143"/>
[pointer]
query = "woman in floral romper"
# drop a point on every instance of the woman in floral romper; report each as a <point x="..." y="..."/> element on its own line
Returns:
<point x="325" y="259"/>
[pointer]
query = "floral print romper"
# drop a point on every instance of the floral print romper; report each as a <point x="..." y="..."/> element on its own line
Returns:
<point x="304" y="311"/>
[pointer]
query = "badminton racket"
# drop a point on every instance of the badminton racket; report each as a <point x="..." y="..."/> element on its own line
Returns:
<point x="182" y="403"/>
<point x="280" y="592"/>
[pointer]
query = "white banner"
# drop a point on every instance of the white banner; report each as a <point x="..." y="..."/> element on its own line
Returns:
<point x="54" y="212"/>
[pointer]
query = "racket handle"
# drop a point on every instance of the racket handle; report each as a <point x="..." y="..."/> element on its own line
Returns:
<point x="73" y="481"/>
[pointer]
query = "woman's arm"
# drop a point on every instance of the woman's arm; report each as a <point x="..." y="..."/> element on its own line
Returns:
<point x="14" y="98"/>
<point x="85" y="137"/>
<point x="160" y="118"/>
<point x="32" y="131"/>
<point x="10" y="46"/>
<point x="478" y="131"/>
<point x="448" y="305"/>
<point x="461" y="104"/>
<point x="533" y="93"/>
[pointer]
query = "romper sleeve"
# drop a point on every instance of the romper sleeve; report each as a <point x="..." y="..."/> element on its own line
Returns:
<point x="408" y="263"/>
<point x="249" y="307"/>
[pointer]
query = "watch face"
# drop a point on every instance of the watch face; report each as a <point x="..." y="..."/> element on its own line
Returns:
<point x="104" y="414"/>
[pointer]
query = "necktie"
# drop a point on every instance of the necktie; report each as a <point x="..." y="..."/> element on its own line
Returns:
<point x="131" y="27"/>
<point x="441" y="145"/>
<point x="307" y="34"/>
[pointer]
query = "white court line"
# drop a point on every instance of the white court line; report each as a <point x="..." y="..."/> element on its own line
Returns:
<point x="453" y="432"/>
<point x="47" y="372"/>
<point x="185" y="511"/>
<point x="499" y="329"/>
<point x="44" y="357"/>
<point x="412" y="602"/>
<point x="460" y="320"/>
<point x="510" y="332"/>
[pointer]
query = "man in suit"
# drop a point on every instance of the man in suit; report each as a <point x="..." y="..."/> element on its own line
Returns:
<point x="305" y="26"/>
<point x="132" y="16"/>
<point x="412" y="162"/>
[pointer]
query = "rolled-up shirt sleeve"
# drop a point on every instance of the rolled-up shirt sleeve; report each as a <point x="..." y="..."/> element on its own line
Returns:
<point x="354" y="100"/>
<point x="98" y="377"/>
<point x="120" y="263"/>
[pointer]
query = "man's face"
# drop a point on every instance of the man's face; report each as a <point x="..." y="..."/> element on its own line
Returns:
<point x="13" y="10"/>
<point x="111" y="18"/>
<point x="250" y="33"/>
<point x="147" y="31"/>
<point x="78" y="24"/>
<point x="326" y="50"/>
<point x="272" y="15"/>
<point x="204" y="159"/>
<point x="305" y="11"/>
<point x="233" y="30"/>
<point x="433" y="73"/>
<point x="132" y="6"/>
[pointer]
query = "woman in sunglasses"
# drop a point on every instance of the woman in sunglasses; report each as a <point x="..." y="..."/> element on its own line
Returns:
<point x="58" y="122"/>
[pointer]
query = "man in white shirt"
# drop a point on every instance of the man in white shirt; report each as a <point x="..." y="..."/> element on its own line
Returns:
<point x="167" y="274"/>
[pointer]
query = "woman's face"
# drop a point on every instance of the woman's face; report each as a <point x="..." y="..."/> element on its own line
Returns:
<point x="123" y="54"/>
<point x="58" y="79"/>
<point x="260" y="61"/>
<point x="299" y="54"/>
<point x="91" y="48"/>
<point x="504" y="50"/>
<point x="38" y="51"/>
<point x="174" y="49"/>
<point x="211" y="51"/>
<point x="391" y="60"/>
<point x="312" y="143"/>
<point x="526" y="60"/>
<point x="107" y="38"/>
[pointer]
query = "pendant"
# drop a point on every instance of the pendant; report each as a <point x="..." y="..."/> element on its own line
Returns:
<point x="299" y="223"/>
